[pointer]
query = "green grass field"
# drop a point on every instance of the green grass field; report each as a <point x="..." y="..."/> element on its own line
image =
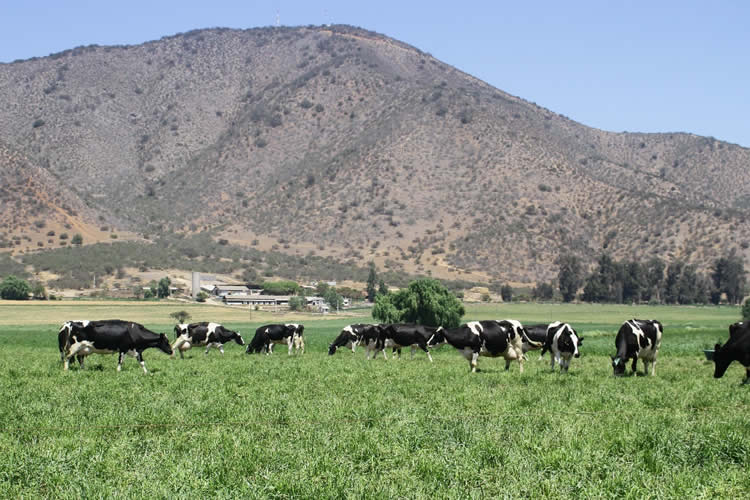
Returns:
<point x="321" y="426"/>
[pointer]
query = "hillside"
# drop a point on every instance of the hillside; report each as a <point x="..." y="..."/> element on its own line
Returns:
<point x="339" y="142"/>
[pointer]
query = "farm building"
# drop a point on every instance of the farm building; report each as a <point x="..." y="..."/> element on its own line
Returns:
<point x="222" y="290"/>
<point x="268" y="300"/>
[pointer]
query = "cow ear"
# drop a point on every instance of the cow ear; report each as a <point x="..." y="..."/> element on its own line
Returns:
<point x="717" y="347"/>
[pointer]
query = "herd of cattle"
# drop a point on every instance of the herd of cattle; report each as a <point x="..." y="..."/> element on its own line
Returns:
<point x="636" y="339"/>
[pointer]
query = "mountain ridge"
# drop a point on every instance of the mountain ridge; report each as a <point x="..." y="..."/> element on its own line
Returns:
<point x="360" y="147"/>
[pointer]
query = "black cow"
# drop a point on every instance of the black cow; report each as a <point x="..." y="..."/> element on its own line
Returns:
<point x="114" y="336"/>
<point x="203" y="334"/>
<point x="637" y="339"/>
<point x="349" y="337"/>
<point x="484" y="338"/>
<point x="407" y="335"/>
<point x="737" y="348"/>
<point x="268" y="335"/>
<point x="562" y="342"/>
<point x="537" y="336"/>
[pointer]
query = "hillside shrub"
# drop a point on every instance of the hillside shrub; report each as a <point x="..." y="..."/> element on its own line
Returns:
<point x="13" y="288"/>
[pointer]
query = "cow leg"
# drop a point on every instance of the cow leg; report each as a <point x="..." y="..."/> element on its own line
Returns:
<point x="384" y="354"/>
<point x="139" y="355"/>
<point x="221" y="349"/>
<point x="633" y="367"/>
<point x="80" y="361"/>
<point x="552" y="363"/>
<point x="507" y="365"/>
<point x="119" y="361"/>
<point x="473" y="362"/>
<point x="520" y="364"/>
<point x="290" y="344"/>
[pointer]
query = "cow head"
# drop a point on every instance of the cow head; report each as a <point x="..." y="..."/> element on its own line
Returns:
<point x="235" y="336"/>
<point x="618" y="364"/>
<point x="179" y="329"/>
<point x="437" y="339"/>
<point x="331" y="349"/>
<point x="163" y="344"/>
<point x="721" y="362"/>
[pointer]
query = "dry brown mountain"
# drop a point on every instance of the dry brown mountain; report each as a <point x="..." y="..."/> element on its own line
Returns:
<point x="348" y="143"/>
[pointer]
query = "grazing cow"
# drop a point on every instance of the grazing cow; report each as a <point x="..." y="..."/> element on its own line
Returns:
<point x="203" y="334"/>
<point x="562" y="342"/>
<point x="63" y="340"/>
<point x="637" y="339"/>
<point x="371" y="337"/>
<point x="349" y="337"/>
<point x="268" y="335"/>
<point x="737" y="348"/>
<point x="484" y="338"/>
<point x="114" y="336"/>
<point x="536" y="336"/>
<point x="407" y="335"/>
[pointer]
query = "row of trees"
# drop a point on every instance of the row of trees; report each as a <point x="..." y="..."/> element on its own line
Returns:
<point x="653" y="281"/>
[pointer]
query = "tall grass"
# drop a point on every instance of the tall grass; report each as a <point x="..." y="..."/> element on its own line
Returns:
<point x="339" y="426"/>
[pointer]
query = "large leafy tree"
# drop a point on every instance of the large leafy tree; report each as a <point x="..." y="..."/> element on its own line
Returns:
<point x="13" y="288"/>
<point x="425" y="302"/>
<point x="162" y="290"/>
<point x="728" y="275"/>
<point x="569" y="277"/>
<point x="372" y="283"/>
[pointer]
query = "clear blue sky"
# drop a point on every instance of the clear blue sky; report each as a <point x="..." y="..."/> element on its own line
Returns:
<point x="637" y="66"/>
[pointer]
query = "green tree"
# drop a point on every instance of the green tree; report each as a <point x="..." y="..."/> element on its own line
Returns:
<point x="654" y="275"/>
<point x="728" y="275"/>
<point x="372" y="280"/>
<point x="162" y="290"/>
<point x="425" y="301"/>
<point x="297" y="303"/>
<point x="569" y="277"/>
<point x="38" y="291"/>
<point x="543" y="291"/>
<point x="77" y="239"/>
<point x="180" y="316"/>
<point x="383" y="288"/>
<point x="13" y="288"/>
<point x="506" y="292"/>
<point x="384" y="310"/>
<point x="746" y="310"/>
<point x="280" y="288"/>
<point x="202" y="296"/>
<point x="333" y="299"/>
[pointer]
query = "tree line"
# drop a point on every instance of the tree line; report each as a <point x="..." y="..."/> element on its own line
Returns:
<point x="653" y="281"/>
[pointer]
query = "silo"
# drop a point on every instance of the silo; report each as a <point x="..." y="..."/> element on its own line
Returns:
<point x="196" y="284"/>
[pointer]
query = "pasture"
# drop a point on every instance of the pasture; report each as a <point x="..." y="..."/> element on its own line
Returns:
<point x="320" y="426"/>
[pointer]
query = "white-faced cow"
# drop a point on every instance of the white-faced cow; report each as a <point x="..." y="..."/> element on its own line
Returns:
<point x="349" y="337"/>
<point x="637" y="339"/>
<point x="408" y="335"/>
<point x="203" y="334"/>
<point x="484" y="338"/>
<point x="562" y="342"/>
<point x="268" y="335"/>
<point x="537" y="337"/>
<point x="737" y="348"/>
<point x="115" y="336"/>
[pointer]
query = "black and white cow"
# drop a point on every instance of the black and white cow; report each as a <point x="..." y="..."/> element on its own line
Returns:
<point x="268" y="335"/>
<point x="114" y="336"/>
<point x="562" y="342"/>
<point x="737" y="348"/>
<point x="637" y="339"/>
<point x="371" y="338"/>
<point x="522" y="332"/>
<point x="407" y="335"/>
<point x="537" y="336"/>
<point x="349" y="338"/>
<point x="63" y="340"/>
<point x="203" y="334"/>
<point x="484" y="338"/>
